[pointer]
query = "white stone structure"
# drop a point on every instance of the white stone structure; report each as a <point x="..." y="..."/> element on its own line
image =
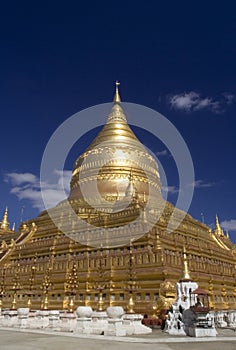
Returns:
<point x="231" y="319"/>
<point x="67" y="322"/>
<point x="113" y="322"/>
<point x="9" y="319"/>
<point x="225" y="319"/>
<point x="187" y="315"/>
<point x="184" y="297"/>
<point x="221" y="319"/>
<point x="174" y="324"/>
<point x="54" y="319"/>
<point x="133" y="324"/>
<point x="41" y="319"/>
<point x="23" y="316"/>
<point x="84" y="319"/>
<point x="99" y="322"/>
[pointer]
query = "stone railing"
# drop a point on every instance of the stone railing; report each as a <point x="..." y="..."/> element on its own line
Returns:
<point x="113" y="321"/>
<point x="225" y="319"/>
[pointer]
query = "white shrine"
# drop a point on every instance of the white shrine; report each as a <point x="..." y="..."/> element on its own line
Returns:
<point x="190" y="313"/>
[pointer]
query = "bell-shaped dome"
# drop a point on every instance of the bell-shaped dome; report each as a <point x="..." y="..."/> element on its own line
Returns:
<point x="102" y="172"/>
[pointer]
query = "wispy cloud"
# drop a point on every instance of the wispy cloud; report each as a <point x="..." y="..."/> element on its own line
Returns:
<point x="162" y="153"/>
<point x="170" y="189"/>
<point x="193" y="101"/>
<point x="229" y="98"/>
<point x="202" y="184"/>
<point x="195" y="184"/>
<point x="229" y="225"/>
<point x="20" y="178"/>
<point x="27" y="186"/>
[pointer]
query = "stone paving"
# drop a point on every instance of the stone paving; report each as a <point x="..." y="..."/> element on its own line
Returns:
<point x="41" y="340"/>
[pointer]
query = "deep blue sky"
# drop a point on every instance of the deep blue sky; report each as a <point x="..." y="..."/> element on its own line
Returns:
<point x="60" y="57"/>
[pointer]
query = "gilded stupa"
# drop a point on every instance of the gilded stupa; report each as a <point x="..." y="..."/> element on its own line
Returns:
<point x="109" y="242"/>
<point x="126" y="157"/>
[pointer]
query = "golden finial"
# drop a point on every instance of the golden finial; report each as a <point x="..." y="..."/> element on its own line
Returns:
<point x="217" y="221"/>
<point x="117" y="96"/>
<point x="186" y="274"/>
<point x="5" y="222"/>
<point x="218" y="230"/>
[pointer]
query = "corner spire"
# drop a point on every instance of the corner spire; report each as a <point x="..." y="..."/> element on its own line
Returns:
<point x="5" y="222"/>
<point x="186" y="274"/>
<point x="218" y="229"/>
<point x="116" y="98"/>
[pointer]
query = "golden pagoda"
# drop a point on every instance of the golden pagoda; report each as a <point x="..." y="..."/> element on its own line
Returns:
<point x="5" y="230"/>
<point x="90" y="234"/>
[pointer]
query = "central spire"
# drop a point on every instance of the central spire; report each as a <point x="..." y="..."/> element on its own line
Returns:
<point x="116" y="98"/>
<point x="117" y="114"/>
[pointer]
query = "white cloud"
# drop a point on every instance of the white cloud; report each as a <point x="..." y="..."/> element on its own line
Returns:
<point x="193" y="101"/>
<point x="202" y="184"/>
<point x="20" y="178"/>
<point x="27" y="186"/>
<point x="229" y="225"/>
